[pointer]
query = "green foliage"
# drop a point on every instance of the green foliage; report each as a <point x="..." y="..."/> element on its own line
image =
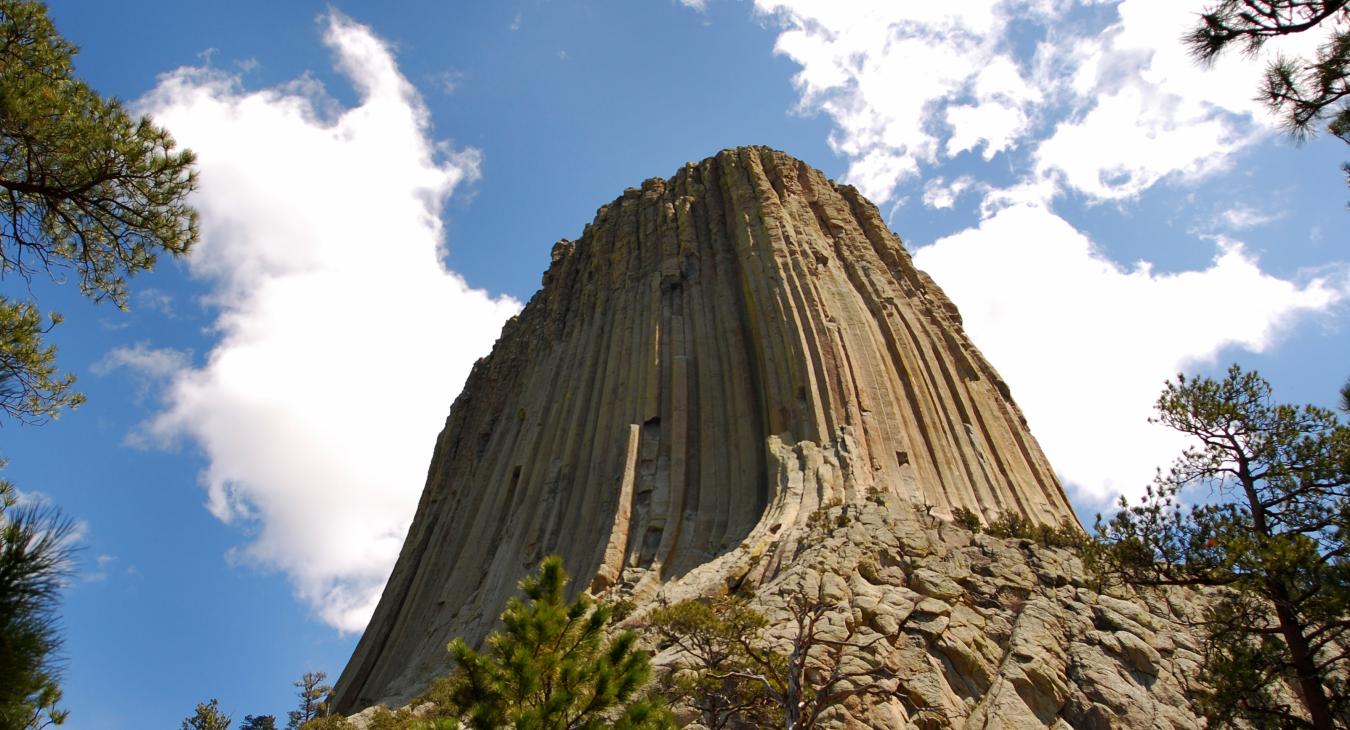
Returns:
<point x="1278" y="541"/>
<point x="207" y="717"/>
<point x="385" y="719"/>
<point x="332" y="722"/>
<point x="1302" y="91"/>
<point x="621" y="609"/>
<point x="84" y="189"/>
<point x="30" y="387"/>
<point x="424" y="718"/>
<point x="35" y="559"/>
<point x="717" y="677"/>
<point x="552" y="666"/>
<point x="259" y="722"/>
<point x="968" y="519"/>
<point x="1015" y="525"/>
<point x="741" y="680"/>
<point x="313" y="694"/>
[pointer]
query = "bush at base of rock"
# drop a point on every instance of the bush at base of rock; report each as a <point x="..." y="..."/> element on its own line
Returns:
<point x="1011" y="524"/>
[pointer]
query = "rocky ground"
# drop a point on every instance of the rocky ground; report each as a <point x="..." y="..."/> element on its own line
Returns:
<point x="980" y="631"/>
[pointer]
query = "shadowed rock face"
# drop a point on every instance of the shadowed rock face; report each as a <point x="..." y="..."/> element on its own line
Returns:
<point x="719" y="356"/>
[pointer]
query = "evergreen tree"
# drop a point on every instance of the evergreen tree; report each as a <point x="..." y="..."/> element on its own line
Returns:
<point x="259" y="722"/>
<point x="1302" y="91"/>
<point x="313" y="696"/>
<point x="553" y="667"/>
<point x="88" y="191"/>
<point x="715" y="677"/>
<point x="35" y="559"/>
<point x="813" y="677"/>
<point x="1277" y="543"/>
<point x="207" y="717"/>
<point x="740" y="680"/>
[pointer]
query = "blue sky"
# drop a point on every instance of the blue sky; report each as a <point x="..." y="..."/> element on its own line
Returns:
<point x="381" y="185"/>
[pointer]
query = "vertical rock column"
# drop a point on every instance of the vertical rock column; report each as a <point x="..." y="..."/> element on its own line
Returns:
<point x="719" y="355"/>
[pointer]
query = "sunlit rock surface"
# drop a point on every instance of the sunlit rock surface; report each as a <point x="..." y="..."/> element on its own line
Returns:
<point x="719" y="356"/>
<point x="978" y="632"/>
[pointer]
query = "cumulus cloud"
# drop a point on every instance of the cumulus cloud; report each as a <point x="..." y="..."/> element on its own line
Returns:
<point x="1142" y="109"/>
<point x="938" y="193"/>
<point x="1086" y="344"/>
<point x="1108" y="108"/>
<point x="885" y="71"/>
<point x="342" y="338"/>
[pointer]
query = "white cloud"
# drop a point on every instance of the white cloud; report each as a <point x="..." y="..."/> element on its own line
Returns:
<point x="937" y="193"/>
<point x="1109" y="109"/>
<point x="1242" y="217"/>
<point x="1144" y="110"/>
<point x="151" y="368"/>
<point x="342" y="337"/>
<point x="1104" y="338"/>
<point x="99" y="574"/>
<point x="897" y="77"/>
<point x="447" y="81"/>
<point x="1133" y="138"/>
<point x="160" y="363"/>
<point x="155" y="300"/>
<point x="1000" y="115"/>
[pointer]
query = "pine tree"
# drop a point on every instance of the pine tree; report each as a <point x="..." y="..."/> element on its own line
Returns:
<point x="553" y="667"/>
<point x="207" y="717"/>
<point x="313" y="696"/>
<point x="741" y="680"/>
<point x="715" y="674"/>
<point x="1277" y="544"/>
<point x="259" y="722"/>
<point x="1302" y="91"/>
<point x="88" y="191"/>
<point x="35" y="559"/>
<point x="85" y="191"/>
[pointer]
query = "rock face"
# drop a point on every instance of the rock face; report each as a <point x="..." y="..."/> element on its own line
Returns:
<point x="981" y="632"/>
<point x="719" y="356"/>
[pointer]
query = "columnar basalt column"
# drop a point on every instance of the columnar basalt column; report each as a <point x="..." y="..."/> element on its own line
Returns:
<point x="718" y="356"/>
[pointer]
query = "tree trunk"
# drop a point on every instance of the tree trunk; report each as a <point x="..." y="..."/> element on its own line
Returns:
<point x="1300" y="654"/>
<point x="796" y="667"/>
<point x="1305" y="665"/>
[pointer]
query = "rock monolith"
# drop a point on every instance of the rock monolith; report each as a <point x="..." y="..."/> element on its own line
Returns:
<point x="719" y="356"/>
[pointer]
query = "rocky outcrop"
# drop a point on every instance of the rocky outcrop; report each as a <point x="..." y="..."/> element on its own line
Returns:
<point x="978" y="632"/>
<point x="720" y="355"/>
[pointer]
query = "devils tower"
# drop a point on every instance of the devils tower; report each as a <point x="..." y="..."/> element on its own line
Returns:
<point x="719" y="356"/>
